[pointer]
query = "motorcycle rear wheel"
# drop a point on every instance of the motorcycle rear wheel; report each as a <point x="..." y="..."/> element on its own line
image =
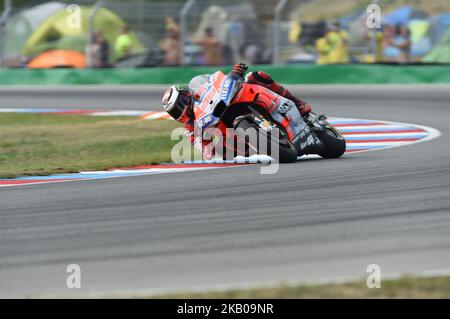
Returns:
<point x="287" y="152"/>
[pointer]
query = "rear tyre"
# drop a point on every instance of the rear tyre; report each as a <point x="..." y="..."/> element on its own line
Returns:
<point x="287" y="152"/>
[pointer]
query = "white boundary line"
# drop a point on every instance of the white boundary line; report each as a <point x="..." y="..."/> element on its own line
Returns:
<point x="154" y="292"/>
<point x="433" y="133"/>
<point x="123" y="176"/>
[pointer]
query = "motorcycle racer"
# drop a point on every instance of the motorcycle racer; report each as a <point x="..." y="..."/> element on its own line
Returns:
<point x="178" y="101"/>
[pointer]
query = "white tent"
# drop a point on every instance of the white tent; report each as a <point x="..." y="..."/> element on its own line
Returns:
<point x="22" y="25"/>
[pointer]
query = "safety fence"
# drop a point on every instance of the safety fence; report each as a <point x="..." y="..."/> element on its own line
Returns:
<point x="174" y="32"/>
<point x="255" y="31"/>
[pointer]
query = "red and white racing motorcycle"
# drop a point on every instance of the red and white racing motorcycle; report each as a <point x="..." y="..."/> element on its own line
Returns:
<point x="223" y="102"/>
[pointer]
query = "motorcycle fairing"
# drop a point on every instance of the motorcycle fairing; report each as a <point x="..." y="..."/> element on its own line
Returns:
<point x="281" y="109"/>
<point x="218" y="88"/>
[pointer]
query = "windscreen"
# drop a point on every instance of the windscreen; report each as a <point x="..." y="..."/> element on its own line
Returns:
<point x="198" y="81"/>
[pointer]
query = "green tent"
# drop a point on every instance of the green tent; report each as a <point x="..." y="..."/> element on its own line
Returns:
<point x="56" y="33"/>
<point x="441" y="52"/>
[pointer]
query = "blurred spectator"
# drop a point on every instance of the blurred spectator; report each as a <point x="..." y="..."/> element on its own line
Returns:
<point x="338" y="41"/>
<point x="380" y="38"/>
<point x="403" y="43"/>
<point x="398" y="44"/>
<point x="333" y="47"/>
<point x="104" y="50"/>
<point x="123" y="44"/>
<point x="93" y="52"/>
<point x="98" y="51"/>
<point x="343" y="51"/>
<point x="212" y="48"/>
<point x="172" y="25"/>
<point x="172" y="43"/>
<point x="323" y="51"/>
<point x="388" y="35"/>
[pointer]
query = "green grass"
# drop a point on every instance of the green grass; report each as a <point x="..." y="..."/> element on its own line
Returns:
<point x="407" y="287"/>
<point x="42" y="144"/>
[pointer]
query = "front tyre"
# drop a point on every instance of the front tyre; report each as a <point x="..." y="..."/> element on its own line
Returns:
<point x="333" y="141"/>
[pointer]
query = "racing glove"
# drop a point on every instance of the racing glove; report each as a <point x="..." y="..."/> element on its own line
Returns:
<point x="240" y="69"/>
<point x="303" y="107"/>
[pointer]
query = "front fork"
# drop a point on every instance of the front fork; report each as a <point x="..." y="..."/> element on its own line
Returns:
<point x="316" y="122"/>
<point x="319" y="124"/>
<point x="309" y="139"/>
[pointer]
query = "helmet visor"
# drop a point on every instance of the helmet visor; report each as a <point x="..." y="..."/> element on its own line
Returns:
<point x="176" y="111"/>
<point x="180" y="105"/>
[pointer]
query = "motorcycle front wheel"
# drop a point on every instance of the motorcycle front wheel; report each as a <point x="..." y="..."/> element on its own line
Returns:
<point x="333" y="141"/>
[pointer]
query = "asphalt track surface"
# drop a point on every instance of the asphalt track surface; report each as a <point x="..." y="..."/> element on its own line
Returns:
<point x="313" y="221"/>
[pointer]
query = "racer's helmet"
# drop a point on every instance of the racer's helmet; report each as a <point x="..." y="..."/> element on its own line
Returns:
<point x="176" y="101"/>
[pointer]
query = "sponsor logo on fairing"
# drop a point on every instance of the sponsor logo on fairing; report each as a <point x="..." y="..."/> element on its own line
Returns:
<point x="206" y="120"/>
<point x="309" y="141"/>
<point x="226" y="89"/>
<point x="283" y="109"/>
